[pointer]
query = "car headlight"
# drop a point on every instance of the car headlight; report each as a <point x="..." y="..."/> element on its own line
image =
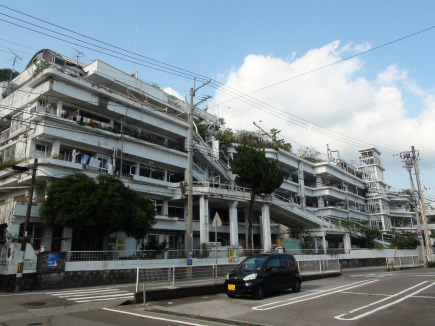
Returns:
<point x="228" y="276"/>
<point x="250" y="277"/>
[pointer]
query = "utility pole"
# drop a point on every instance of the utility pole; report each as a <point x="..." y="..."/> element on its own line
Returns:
<point x="423" y="208"/>
<point x="408" y="164"/>
<point x="13" y="66"/>
<point x="189" y="231"/>
<point x="24" y="239"/>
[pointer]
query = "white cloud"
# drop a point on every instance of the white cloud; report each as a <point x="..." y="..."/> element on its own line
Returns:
<point x="171" y="91"/>
<point x="336" y="98"/>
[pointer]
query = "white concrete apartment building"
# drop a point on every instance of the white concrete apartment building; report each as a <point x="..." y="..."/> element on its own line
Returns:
<point x="69" y="116"/>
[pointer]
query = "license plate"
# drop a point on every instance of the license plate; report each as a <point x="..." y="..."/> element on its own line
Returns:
<point x="231" y="287"/>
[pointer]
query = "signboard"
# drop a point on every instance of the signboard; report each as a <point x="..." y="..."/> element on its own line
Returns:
<point x="52" y="260"/>
<point x="216" y="221"/>
<point x="121" y="243"/>
<point x="189" y="261"/>
<point x="30" y="264"/>
<point x="233" y="255"/>
<point x="418" y="232"/>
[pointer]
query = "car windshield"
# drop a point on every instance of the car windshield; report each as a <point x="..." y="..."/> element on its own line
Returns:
<point x="252" y="264"/>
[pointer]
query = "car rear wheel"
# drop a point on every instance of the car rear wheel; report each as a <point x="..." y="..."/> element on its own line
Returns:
<point x="297" y="286"/>
<point x="231" y="295"/>
<point x="260" y="292"/>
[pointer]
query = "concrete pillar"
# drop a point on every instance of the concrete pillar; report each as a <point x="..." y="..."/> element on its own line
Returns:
<point x="31" y="147"/>
<point x="315" y="244"/>
<point x="320" y="202"/>
<point x="265" y="227"/>
<point x="246" y="211"/>
<point x="165" y="178"/>
<point x="234" y="224"/>
<point x="55" y="149"/>
<point x="165" y="208"/>
<point x="324" y="244"/>
<point x="137" y="169"/>
<point x="301" y="183"/>
<point x="284" y="231"/>
<point x="347" y="243"/>
<point x="319" y="182"/>
<point x="48" y="235"/>
<point x="65" y="245"/>
<point x="203" y="220"/>
<point x="112" y="122"/>
<point x="59" y="109"/>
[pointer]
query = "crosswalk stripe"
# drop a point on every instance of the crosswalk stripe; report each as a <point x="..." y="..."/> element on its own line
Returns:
<point x="101" y="296"/>
<point x="106" y="299"/>
<point x="87" y="294"/>
<point x="86" y="290"/>
<point x="94" y="294"/>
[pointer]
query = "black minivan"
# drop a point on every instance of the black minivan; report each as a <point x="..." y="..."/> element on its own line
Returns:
<point x="257" y="275"/>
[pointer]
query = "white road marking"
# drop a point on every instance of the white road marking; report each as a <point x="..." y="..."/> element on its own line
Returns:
<point x="155" y="318"/>
<point x="312" y="296"/>
<point x="383" y="295"/>
<point x="88" y="295"/>
<point x="423" y="296"/>
<point x="386" y="305"/>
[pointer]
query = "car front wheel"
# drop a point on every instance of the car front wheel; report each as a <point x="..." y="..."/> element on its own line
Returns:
<point x="297" y="286"/>
<point x="260" y="292"/>
<point x="231" y="295"/>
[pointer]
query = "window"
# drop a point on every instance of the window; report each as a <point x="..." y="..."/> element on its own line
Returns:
<point x="59" y="61"/>
<point x="275" y="263"/>
<point x="41" y="148"/>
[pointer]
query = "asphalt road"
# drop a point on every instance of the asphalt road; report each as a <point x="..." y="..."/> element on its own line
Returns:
<point x="366" y="296"/>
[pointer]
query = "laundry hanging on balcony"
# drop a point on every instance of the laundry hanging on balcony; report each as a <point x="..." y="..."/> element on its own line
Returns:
<point x="95" y="163"/>
<point x="85" y="159"/>
<point x="109" y="168"/>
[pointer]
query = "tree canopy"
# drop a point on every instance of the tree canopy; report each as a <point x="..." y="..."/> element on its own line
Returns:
<point x="254" y="170"/>
<point x="367" y="233"/>
<point x="97" y="206"/>
<point x="309" y="153"/>
<point x="407" y="240"/>
<point x="5" y="74"/>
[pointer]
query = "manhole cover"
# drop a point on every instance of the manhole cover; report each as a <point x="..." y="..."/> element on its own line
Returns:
<point x="34" y="304"/>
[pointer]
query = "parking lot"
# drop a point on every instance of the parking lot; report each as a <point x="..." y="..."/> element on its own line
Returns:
<point x="359" y="297"/>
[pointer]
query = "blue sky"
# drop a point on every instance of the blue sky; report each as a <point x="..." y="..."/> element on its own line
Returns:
<point x="215" y="39"/>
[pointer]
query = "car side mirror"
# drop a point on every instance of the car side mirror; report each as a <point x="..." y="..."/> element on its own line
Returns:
<point x="268" y="269"/>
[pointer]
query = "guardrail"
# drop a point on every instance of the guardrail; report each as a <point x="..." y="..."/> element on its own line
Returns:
<point x="407" y="261"/>
<point x="183" y="276"/>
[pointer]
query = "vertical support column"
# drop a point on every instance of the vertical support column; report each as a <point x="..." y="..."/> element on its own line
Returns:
<point x="315" y="244"/>
<point x="319" y="183"/>
<point x="347" y="243"/>
<point x="320" y="202"/>
<point x="137" y="169"/>
<point x="165" y="208"/>
<point x="324" y="244"/>
<point x="46" y="243"/>
<point x="265" y="227"/>
<point x="234" y="224"/>
<point x="65" y="245"/>
<point x="31" y="147"/>
<point x="203" y="220"/>
<point x="301" y="183"/>
<point x="59" y="108"/>
<point x="246" y="211"/>
<point x="55" y="149"/>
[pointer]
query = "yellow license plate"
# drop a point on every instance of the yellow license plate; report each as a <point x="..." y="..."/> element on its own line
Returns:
<point x="231" y="287"/>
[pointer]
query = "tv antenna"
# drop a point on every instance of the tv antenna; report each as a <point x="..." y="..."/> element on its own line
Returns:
<point x="78" y="54"/>
<point x="13" y="66"/>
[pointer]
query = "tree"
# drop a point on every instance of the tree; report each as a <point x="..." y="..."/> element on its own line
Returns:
<point x="407" y="240"/>
<point x="280" y="143"/>
<point x="309" y="153"/>
<point x="203" y="131"/>
<point x="225" y="137"/>
<point x="368" y="234"/>
<point x="98" y="207"/>
<point x="5" y="74"/>
<point x="253" y="169"/>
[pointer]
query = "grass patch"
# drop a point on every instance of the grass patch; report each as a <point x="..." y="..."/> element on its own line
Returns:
<point x="155" y="303"/>
<point x="216" y="320"/>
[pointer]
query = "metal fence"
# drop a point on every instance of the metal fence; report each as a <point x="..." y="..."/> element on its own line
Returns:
<point x="407" y="261"/>
<point x="182" y="276"/>
<point x="74" y="256"/>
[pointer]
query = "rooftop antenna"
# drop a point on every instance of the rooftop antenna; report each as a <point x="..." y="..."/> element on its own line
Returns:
<point x="13" y="66"/>
<point x="78" y="54"/>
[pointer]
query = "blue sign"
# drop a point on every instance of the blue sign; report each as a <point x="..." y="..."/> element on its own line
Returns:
<point x="190" y="255"/>
<point x="52" y="260"/>
<point x="189" y="262"/>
